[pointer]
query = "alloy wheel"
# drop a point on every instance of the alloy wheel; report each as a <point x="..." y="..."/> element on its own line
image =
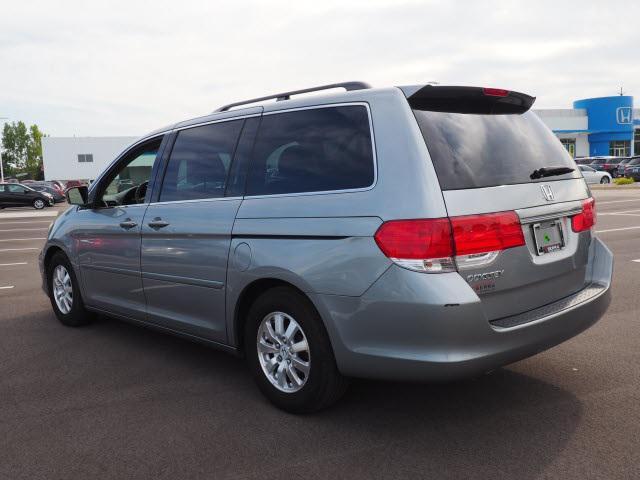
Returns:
<point x="283" y="352"/>
<point x="62" y="289"/>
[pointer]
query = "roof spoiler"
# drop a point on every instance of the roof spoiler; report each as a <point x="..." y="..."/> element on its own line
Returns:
<point x="476" y="100"/>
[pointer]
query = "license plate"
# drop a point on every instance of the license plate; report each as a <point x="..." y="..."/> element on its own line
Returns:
<point x="548" y="236"/>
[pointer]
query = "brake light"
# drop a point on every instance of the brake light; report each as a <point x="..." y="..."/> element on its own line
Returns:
<point x="435" y="245"/>
<point x="495" y="92"/>
<point x="423" y="245"/>
<point x="486" y="233"/>
<point x="586" y="219"/>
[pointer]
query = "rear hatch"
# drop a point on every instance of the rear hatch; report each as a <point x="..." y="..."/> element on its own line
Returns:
<point x="497" y="163"/>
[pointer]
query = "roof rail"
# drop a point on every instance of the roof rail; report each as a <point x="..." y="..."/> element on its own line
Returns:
<point x="348" y="86"/>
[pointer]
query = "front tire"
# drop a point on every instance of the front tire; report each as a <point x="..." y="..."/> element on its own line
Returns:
<point x="38" y="204"/>
<point x="64" y="293"/>
<point x="604" y="180"/>
<point x="289" y="353"/>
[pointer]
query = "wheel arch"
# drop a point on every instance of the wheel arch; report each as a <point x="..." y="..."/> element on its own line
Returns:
<point x="248" y="295"/>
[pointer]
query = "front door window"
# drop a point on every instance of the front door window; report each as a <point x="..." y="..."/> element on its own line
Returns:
<point x="128" y="184"/>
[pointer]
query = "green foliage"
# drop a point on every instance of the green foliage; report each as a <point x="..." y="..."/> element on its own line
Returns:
<point x="22" y="150"/>
<point x="623" y="181"/>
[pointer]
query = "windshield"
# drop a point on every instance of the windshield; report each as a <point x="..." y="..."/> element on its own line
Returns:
<point x="476" y="151"/>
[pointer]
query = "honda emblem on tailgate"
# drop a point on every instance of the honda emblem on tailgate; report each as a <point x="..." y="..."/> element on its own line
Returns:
<point x="547" y="193"/>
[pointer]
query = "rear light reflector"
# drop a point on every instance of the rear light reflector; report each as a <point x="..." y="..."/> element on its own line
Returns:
<point x="495" y="92"/>
<point x="586" y="219"/>
<point x="435" y="245"/>
<point x="486" y="233"/>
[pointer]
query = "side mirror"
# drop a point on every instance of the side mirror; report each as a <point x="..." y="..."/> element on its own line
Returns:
<point x="78" y="196"/>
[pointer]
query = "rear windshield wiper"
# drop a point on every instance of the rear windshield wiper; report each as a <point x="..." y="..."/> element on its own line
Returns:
<point x="549" y="172"/>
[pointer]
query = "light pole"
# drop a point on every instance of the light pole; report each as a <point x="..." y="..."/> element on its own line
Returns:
<point x="1" y="165"/>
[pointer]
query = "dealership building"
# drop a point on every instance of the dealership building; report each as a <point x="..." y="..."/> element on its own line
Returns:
<point x="593" y="127"/>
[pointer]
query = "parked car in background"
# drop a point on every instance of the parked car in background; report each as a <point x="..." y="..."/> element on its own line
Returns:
<point x="320" y="248"/>
<point x="17" y="195"/>
<point x="74" y="183"/>
<point x="606" y="164"/>
<point x="583" y="160"/>
<point x="632" y="169"/>
<point x="57" y="195"/>
<point x="47" y="183"/>
<point x="60" y="184"/>
<point x="594" y="176"/>
<point x="621" y="166"/>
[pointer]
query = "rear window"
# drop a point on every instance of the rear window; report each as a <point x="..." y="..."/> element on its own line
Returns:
<point x="476" y="151"/>
<point x="312" y="150"/>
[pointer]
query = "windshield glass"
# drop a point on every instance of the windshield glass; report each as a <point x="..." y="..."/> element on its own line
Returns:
<point x="475" y="151"/>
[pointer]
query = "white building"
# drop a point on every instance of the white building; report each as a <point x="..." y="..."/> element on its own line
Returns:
<point x="570" y="126"/>
<point x="80" y="158"/>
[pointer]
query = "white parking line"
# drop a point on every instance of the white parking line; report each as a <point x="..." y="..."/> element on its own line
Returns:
<point x="24" y="229"/>
<point x="7" y="287"/>
<point x="622" y="212"/>
<point x="619" y="201"/>
<point x="25" y="223"/>
<point x="28" y="215"/>
<point x="617" y="229"/>
<point x="12" y="264"/>
<point x="21" y="239"/>
<point x="18" y="249"/>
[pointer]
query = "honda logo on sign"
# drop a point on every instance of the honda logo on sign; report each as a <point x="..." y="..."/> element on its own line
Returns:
<point x="623" y="115"/>
<point x="547" y="193"/>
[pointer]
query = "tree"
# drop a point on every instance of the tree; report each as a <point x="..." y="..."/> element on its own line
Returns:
<point x="22" y="149"/>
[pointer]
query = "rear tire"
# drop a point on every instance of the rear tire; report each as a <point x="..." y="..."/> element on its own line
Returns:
<point x="272" y="357"/>
<point x="64" y="293"/>
<point x="38" y="204"/>
<point x="604" y="180"/>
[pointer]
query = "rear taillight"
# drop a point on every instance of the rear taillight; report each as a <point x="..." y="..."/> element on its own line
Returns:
<point x="423" y="245"/>
<point x="586" y="219"/>
<point x="487" y="233"/>
<point x="437" y="245"/>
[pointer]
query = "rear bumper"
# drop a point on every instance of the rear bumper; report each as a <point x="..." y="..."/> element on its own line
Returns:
<point x="412" y="326"/>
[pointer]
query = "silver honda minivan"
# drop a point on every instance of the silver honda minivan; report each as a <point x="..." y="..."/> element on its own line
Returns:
<point x="410" y="233"/>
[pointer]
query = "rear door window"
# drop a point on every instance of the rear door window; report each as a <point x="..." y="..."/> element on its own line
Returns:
<point x="475" y="151"/>
<point x="200" y="162"/>
<point x="312" y="150"/>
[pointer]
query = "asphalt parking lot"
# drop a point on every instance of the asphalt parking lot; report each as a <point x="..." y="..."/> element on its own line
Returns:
<point x="116" y="401"/>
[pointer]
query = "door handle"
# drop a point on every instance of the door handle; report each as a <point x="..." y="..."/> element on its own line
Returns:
<point x="128" y="223"/>
<point x="158" y="223"/>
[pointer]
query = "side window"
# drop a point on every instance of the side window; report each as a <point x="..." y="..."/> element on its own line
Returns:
<point x="200" y="161"/>
<point x="128" y="183"/>
<point x="320" y="149"/>
<point x="17" y="189"/>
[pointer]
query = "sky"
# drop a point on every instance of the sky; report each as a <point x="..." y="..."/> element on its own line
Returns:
<point x="103" y="68"/>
